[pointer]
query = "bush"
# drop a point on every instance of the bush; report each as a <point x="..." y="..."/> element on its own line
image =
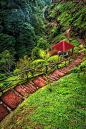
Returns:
<point x="41" y="43"/>
<point x="81" y="47"/>
<point x="83" y="66"/>
<point x="83" y="50"/>
<point x="63" y="64"/>
<point x="74" y="70"/>
<point x="35" y="53"/>
<point x="76" y="49"/>
<point x="75" y="42"/>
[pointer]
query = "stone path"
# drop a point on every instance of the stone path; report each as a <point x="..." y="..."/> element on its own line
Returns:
<point x="13" y="97"/>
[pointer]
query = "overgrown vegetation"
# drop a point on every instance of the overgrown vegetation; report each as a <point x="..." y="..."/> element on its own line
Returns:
<point x="21" y="25"/>
<point x="67" y="15"/>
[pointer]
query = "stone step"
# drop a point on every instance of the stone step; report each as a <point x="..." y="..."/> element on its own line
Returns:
<point x="43" y="81"/>
<point x="66" y="69"/>
<point x="77" y="61"/>
<point x="11" y="99"/>
<point x="21" y="90"/>
<point x="39" y="82"/>
<point x="3" y="112"/>
<point x="70" y="67"/>
<point x="17" y="93"/>
<point x="8" y="108"/>
<point x="63" y="71"/>
<point x="34" y="85"/>
<point x="59" y="73"/>
<point x="47" y="79"/>
<point x="80" y="57"/>
<point x="34" y="88"/>
<point x="27" y="88"/>
<point x="54" y="76"/>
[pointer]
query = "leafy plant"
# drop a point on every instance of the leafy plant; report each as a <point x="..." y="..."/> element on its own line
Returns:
<point x="42" y="44"/>
<point x="35" y="53"/>
<point x="83" y="66"/>
<point x="6" y="61"/>
<point x="75" y="42"/>
<point x="4" y="84"/>
<point x="74" y="70"/>
<point x="44" y="58"/>
<point x="55" y="58"/>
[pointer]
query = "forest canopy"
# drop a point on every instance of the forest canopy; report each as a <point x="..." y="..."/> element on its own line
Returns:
<point x="21" y="25"/>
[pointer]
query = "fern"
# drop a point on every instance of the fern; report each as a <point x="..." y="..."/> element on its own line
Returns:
<point x="54" y="58"/>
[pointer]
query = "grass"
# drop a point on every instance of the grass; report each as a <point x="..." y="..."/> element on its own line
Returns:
<point x="58" y="106"/>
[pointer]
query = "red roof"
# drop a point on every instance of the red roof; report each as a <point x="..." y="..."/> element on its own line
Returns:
<point x="63" y="46"/>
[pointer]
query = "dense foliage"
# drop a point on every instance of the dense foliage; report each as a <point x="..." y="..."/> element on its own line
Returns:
<point x="64" y="15"/>
<point x="21" y="25"/>
<point x="6" y="62"/>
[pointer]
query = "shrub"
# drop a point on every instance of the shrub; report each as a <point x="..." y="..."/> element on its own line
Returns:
<point x="76" y="49"/>
<point x="83" y="66"/>
<point x="75" y="42"/>
<point x="83" y="50"/>
<point x="74" y="70"/>
<point x="41" y="43"/>
<point x="81" y="47"/>
<point x="35" y="53"/>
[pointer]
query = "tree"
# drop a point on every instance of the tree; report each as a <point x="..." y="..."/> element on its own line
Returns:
<point x="20" y="25"/>
<point x="6" y="62"/>
<point x="24" y="64"/>
<point x="7" y="43"/>
<point x="35" y="53"/>
<point x="37" y="23"/>
<point x="41" y="43"/>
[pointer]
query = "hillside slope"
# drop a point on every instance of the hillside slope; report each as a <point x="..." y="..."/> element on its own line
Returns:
<point x="63" y="16"/>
